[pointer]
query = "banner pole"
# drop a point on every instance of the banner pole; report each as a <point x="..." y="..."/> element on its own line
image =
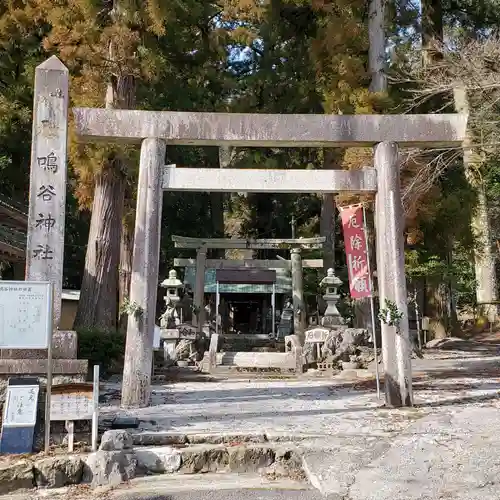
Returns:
<point x="372" y="305"/>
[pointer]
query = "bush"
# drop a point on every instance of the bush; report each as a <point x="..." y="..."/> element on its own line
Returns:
<point x="106" y="349"/>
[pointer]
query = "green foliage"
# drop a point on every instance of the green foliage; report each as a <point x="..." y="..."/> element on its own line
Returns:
<point x="390" y="314"/>
<point x="106" y="349"/>
<point x="131" y="309"/>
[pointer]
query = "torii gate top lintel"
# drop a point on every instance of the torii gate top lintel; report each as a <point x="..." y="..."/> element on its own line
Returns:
<point x="285" y="130"/>
<point x="228" y="243"/>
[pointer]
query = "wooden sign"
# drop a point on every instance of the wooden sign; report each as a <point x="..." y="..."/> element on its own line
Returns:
<point x="316" y="335"/>
<point x="19" y="419"/>
<point x="72" y="402"/>
<point x="77" y="401"/>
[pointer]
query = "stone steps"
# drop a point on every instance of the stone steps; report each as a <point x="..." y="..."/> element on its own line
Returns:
<point x="123" y="456"/>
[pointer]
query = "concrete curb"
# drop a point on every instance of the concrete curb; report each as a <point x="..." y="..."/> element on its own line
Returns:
<point x="160" y="438"/>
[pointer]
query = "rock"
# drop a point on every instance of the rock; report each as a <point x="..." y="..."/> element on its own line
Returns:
<point x="158" y="438"/>
<point x="111" y="468"/>
<point x="227" y="438"/>
<point x="310" y="353"/>
<point x="204" y="459"/>
<point x="184" y="349"/>
<point x="342" y="343"/>
<point x="17" y="475"/>
<point x="443" y="343"/>
<point x="288" y="463"/>
<point x="116" y="440"/>
<point x="56" y="472"/>
<point x="250" y="459"/>
<point x="158" y="460"/>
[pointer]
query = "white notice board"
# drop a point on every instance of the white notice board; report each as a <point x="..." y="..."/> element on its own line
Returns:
<point x="71" y="406"/>
<point x="25" y="314"/>
<point x="21" y="405"/>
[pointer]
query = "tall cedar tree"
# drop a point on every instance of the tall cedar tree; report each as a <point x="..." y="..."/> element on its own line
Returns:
<point x="109" y="46"/>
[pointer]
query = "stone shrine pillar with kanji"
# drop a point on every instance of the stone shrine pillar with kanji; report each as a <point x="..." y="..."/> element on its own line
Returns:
<point x="45" y="244"/>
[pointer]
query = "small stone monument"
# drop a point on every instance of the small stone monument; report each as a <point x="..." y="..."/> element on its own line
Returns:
<point x="332" y="316"/>
<point x="169" y="320"/>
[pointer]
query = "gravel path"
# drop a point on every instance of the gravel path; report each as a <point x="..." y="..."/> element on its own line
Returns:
<point x="320" y="407"/>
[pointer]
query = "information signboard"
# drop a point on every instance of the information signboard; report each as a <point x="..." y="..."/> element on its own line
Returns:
<point x="21" y="405"/>
<point x="19" y="416"/>
<point x="25" y="314"/>
<point x="316" y="335"/>
<point x="72" y="402"/>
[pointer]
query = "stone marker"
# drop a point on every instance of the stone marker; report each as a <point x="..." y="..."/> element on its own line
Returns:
<point x="45" y="243"/>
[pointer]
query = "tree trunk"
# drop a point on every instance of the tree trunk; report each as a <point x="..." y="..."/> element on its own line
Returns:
<point x="217" y="203"/>
<point x="437" y="308"/>
<point x="98" y="304"/>
<point x="97" y="307"/>
<point x="327" y="216"/>
<point x="432" y="31"/>
<point x="484" y="257"/>
<point x="126" y="252"/>
<point x="376" y="52"/>
<point x="484" y="254"/>
<point x="377" y="64"/>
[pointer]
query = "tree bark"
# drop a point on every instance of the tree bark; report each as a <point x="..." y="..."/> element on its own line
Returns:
<point x="484" y="254"/>
<point x="97" y="307"/>
<point x="376" y="52"/>
<point x="98" y="304"/>
<point x="437" y="308"/>
<point x="217" y="203"/>
<point x="432" y="31"/>
<point x="377" y="64"/>
<point x="126" y="252"/>
<point x="327" y="216"/>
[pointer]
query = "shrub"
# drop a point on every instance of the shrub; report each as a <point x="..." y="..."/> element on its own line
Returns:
<point x="106" y="349"/>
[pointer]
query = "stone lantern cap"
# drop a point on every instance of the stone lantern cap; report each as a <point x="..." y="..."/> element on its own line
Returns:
<point x="330" y="280"/>
<point x="172" y="281"/>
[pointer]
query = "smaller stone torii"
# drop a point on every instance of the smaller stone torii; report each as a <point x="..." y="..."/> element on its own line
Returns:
<point x="155" y="130"/>
<point x="296" y="265"/>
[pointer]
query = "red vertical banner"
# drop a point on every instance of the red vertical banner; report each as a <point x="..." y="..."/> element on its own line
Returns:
<point x="360" y="285"/>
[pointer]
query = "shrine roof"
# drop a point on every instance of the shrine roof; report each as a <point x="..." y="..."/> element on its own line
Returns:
<point x="12" y="243"/>
<point x="283" y="284"/>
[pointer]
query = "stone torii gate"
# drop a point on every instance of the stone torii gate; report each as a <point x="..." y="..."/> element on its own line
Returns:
<point x="296" y="265"/>
<point x="155" y="130"/>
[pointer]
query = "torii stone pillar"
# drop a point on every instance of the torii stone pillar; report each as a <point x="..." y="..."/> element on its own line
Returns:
<point x="199" y="289"/>
<point x="299" y="310"/>
<point x="144" y="282"/>
<point x="391" y="275"/>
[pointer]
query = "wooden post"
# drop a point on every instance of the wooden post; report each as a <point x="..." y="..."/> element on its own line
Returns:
<point x="144" y="282"/>
<point x="45" y="243"/>
<point x="199" y="289"/>
<point x="299" y="311"/>
<point x="95" y="408"/>
<point x="391" y="275"/>
<point x="70" y="427"/>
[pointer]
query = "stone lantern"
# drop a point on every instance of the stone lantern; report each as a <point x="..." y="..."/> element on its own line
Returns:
<point x="170" y="318"/>
<point x="173" y="285"/>
<point x="331" y="283"/>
